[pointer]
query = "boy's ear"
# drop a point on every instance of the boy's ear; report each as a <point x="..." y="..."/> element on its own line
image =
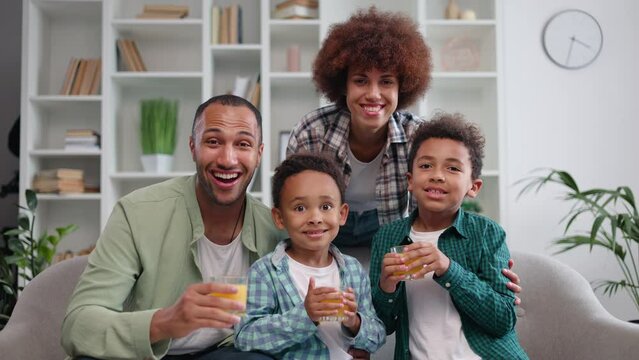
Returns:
<point x="409" y="177"/>
<point x="474" y="189"/>
<point x="343" y="214"/>
<point x="277" y="218"/>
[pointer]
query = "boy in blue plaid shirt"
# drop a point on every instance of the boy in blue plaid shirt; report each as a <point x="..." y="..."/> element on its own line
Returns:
<point x="455" y="304"/>
<point x="306" y="279"/>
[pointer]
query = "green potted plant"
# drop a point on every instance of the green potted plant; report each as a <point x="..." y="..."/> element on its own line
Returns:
<point x="614" y="226"/>
<point x="30" y="254"/>
<point x="158" y="134"/>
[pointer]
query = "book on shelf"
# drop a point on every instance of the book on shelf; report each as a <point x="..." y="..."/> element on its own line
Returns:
<point x="83" y="77"/>
<point x="79" y="77"/>
<point x="81" y="140"/>
<point x="69" y="76"/>
<point x="226" y="25"/>
<point x="130" y="55"/>
<point x="286" y="3"/>
<point x="163" y="11"/>
<point x="295" y="11"/>
<point x="254" y="92"/>
<point x="63" y="186"/>
<point x="61" y="173"/>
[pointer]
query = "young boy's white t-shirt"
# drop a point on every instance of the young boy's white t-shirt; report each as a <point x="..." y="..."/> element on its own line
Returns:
<point x="214" y="259"/>
<point x="330" y="332"/>
<point x="435" y="326"/>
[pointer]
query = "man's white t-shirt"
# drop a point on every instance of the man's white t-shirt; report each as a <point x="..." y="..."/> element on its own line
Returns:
<point x="330" y="332"/>
<point x="214" y="259"/>
<point x="435" y="326"/>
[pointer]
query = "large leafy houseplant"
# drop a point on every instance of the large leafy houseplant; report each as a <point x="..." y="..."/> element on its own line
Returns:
<point x="30" y="254"/>
<point x="614" y="227"/>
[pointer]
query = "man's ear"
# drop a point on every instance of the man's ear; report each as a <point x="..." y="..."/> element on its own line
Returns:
<point x="474" y="189"/>
<point x="277" y="218"/>
<point x="192" y="147"/>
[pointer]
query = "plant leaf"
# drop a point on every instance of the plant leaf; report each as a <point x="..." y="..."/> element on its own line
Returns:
<point x="32" y="199"/>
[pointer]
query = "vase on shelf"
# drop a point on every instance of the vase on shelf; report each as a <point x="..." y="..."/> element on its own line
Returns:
<point x="157" y="163"/>
<point x="452" y="10"/>
<point x="158" y="134"/>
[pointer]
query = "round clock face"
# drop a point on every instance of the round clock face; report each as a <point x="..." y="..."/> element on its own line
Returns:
<point x="572" y="39"/>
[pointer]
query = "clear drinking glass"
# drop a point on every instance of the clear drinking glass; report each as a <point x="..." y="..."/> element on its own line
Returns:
<point x="240" y="282"/>
<point x="411" y="270"/>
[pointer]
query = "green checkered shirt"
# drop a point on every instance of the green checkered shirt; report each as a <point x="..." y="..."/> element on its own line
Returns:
<point x="477" y="250"/>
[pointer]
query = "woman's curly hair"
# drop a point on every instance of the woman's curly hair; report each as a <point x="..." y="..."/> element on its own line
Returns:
<point x="386" y="41"/>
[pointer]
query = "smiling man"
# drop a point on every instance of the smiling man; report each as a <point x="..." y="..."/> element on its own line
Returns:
<point x="145" y="292"/>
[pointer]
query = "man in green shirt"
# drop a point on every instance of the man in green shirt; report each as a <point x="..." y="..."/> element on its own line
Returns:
<point x="145" y="291"/>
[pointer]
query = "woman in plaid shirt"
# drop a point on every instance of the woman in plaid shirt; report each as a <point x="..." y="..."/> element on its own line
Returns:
<point x="371" y="66"/>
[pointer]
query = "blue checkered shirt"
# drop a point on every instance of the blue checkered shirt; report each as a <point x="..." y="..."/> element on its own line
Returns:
<point x="276" y="321"/>
<point x="326" y="130"/>
<point x="477" y="251"/>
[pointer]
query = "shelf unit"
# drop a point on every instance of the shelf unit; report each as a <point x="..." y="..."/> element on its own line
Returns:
<point x="183" y="65"/>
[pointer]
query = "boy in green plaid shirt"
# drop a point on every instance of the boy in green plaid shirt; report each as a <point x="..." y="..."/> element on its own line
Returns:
<point x="443" y="293"/>
<point x="306" y="280"/>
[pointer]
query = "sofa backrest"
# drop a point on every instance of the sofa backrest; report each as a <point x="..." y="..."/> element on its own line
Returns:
<point x="33" y="331"/>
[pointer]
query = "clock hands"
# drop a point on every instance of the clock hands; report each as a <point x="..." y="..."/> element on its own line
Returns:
<point x="572" y="41"/>
<point x="573" y="38"/>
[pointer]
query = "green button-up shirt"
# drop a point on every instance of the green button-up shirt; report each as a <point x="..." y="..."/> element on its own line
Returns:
<point x="477" y="251"/>
<point x="144" y="260"/>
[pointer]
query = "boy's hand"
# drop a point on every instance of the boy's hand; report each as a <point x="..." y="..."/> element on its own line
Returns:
<point x="313" y="304"/>
<point x="352" y="321"/>
<point x="391" y="264"/>
<point x="428" y="256"/>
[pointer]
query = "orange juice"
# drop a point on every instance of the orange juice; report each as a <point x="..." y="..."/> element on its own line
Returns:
<point x="239" y="296"/>
<point x="340" y="312"/>
<point x="410" y="271"/>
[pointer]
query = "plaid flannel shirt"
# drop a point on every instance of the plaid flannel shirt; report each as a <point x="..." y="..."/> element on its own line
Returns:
<point x="477" y="251"/>
<point x="326" y="130"/>
<point x="276" y="321"/>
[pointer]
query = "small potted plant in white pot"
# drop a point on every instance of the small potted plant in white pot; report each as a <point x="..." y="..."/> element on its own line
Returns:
<point x="158" y="134"/>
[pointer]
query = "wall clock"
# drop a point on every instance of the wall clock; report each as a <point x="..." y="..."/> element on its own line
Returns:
<point x="572" y="39"/>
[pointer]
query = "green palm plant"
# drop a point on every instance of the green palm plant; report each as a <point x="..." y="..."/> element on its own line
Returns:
<point x="614" y="227"/>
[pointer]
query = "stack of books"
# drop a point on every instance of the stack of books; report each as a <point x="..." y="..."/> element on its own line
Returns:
<point x="63" y="181"/>
<point x="161" y="11"/>
<point x="130" y="55"/>
<point x="296" y="9"/>
<point x="81" y="139"/>
<point x="226" y="24"/>
<point x="83" y="77"/>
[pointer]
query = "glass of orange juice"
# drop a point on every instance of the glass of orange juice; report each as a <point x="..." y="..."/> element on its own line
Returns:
<point x="411" y="270"/>
<point x="240" y="282"/>
<point x="340" y="312"/>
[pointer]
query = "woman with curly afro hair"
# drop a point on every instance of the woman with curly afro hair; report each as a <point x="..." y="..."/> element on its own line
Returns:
<point x="372" y="67"/>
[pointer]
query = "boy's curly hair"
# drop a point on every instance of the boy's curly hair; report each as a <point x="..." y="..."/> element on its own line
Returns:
<point x="371" y="39"/>
<point x="296" y="163"/>
<point x="455" y="127"/>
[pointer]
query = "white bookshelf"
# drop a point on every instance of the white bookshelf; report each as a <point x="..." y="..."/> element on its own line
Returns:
<point x="183" y="65"/>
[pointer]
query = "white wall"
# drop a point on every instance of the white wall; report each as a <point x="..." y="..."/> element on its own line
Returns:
<point x="583" y="121"/>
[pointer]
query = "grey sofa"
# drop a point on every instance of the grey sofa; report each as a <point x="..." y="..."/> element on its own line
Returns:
<point x="560" y="317"/>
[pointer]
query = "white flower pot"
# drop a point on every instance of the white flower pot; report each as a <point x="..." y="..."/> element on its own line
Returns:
<point x="157" y="163"/>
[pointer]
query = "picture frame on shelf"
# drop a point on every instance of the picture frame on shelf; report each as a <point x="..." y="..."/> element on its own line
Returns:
<point x="284" y="136"/>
